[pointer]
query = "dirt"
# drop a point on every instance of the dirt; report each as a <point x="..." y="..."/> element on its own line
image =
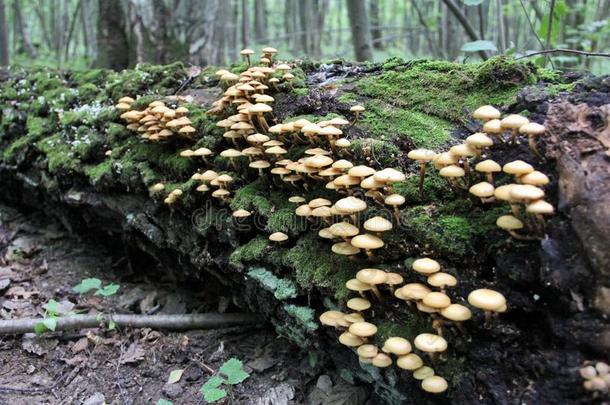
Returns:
<point x="39" y="261"/>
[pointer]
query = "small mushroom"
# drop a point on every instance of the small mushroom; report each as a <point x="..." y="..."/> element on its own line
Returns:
<point x="457" y="313"/>
<point x="363" y="330"/>
<point x="382" y="360"/>
<point x="510" y="224"/>
<point x="358" y="304"/>
<point x="423" y="372"/>
<point x="431" y="344"/>
<point x="422" y="156"/>
<point x="246" y="53"/>
<point x="434" y="384"/>
<point x="357" y="110"/>
<point x="395" y="201"/>
<point x="377" y="225"/>
<point x="330" y="318"/>
<point x="372" y="277"/>
<point x="409" y="362"/>
<point x="532" y="130"/>
<point x="278" y="237"/>
<point x="488" y="300"/>
<point x="489" y="167"/>
<point x="442" y="280"/>
<point x="513" y="122"/>
<point x="350" y="340"/>
<point x="426" y="266"/>
<point x="397" y="345"/>
<point x="483" y="190"/>
<point x="368" y="242"/>
<point x="486" y="113"/>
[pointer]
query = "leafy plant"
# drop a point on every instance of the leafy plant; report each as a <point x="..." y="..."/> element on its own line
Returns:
<point x="220" y="385"/>
<point x="89" y="284"/>
<point x="53" y="310"/>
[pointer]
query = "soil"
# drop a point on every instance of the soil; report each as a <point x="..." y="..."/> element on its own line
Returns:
<point x="40" y="260"/>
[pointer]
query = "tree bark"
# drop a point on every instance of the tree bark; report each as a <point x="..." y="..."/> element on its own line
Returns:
<point x="260" y="20"/>
<point x="361" y="33"/>
<point x="112" y="41"/>
<point x="472" y="34"/>
<point x="23" y="34"/>
<point x="3" y="36"/>
<point x="376" y="31"/>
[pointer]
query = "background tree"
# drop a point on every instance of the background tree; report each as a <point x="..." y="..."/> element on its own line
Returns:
<point x="112" y="40"/>
<point x="3" y="36"/>
<point x="361" y="32"/>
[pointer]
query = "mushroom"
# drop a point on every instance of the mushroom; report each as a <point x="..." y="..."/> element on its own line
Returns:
<point x="345" y="249"/>
<point x="426" y="266"/>
<point x="382" y="360"/>
<point x="457" y="313"/>
<point x="409" y="362"/>
<point x="397" y="345"/>
<point x="278" y="237"/>
<point x="367" y="352"/>
<point x="363" y="330"/>
<point x="535" y="178"/>
<point x="486" y="113"/>
<point x="246" y="53"/>
<point x="358" y="304"/>
<point x="395" y="200"/>
<point x="483" y="190"/>
<point x="344" y="230"/>
<point x="434" y="384"/>
<point x="422" y="156"/>
<point x="368" y="242"/>
<point x="356" y="285"/>
<point x="350" y="340"/>
<point x="464" y="151"/>
<point x="436" y="300"/>
<point x="423" y="373"/>
<point x="259" y="109"/>
<point x="372" y="277"/>
<point x="329" y="318"/>
<point x="442" y="280"/>
<point x="517" y="168"/>
<point x="241" y="213"/>
<point x="489" y="167"/>
<point x="377" y="225"/>
<point x="232" y="155"/>
<point x="510" y="224"/>
<point x="479" y="141"/>
<point x="488" y="300"/>
<point x="431" y="344"/>
<point x="532" y="130"/>
<point x="452" y="172"/>
<point x="157" y="187"/>
<point x="494" y="127"/>
<point x="350" y="206"/>
<point x="357" y="109"/>
<point x="393" y="279"/>
<point x="538" y="209"/>
<point x="513" y="122"/>
<point x="260" y="165"/>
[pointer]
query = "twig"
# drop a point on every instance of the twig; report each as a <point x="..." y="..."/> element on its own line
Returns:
<point x="564" y="50"/>
<point x="533" y="29"/>
<point x="549" y="28"/>
<point x="173" y="322"/>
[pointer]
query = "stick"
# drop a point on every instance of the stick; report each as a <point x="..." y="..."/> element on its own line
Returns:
<point x="171" y="322"/>
<point x="564" y="50"/>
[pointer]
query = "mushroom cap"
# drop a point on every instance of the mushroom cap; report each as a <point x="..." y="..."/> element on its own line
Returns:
<point x="330" y="318"/>
<point x="202" y="152"/>
<point x="318" y="161"/>
<point x="325" y="233"/>
<point x="344" y="249"/>
<point x="358" y="304"/>
<point x="363" y="329"/>
<point x="394" y="279"/>
<point x="221" y="192"/>
<point x="317" y="151"/>
<point x="503" y="192"/>
<point x="430" y="343"/>
<point x="462" y="150"/>
<point x="456" y="313"/>
<point x="208" y="175"/>
<point x="158" y="187"/>
<point x="361" y="171"/>
<point x="488" y="166"/>
<point x="259" y="164"/>
<point x="422" y="155"/>
<point x="342" y="164"/>
<point x="270" y="50"/>
<point x="342" y="143"/>
<point x="423" y="373"/>
<point x="224" y="178"/>
<point x="275" y="150"/>
<point x="397" y="345"/>
<point x="230" y="153"/>
<point x="382" y="360"/>
<point x="278" y="237"/>
<point x="437" y="300"/>
<point x="377" y="224"/>
<point x="229" y="77"/>
<point x="389" y="175"/>
<point x="410" y="361"/>
<point x="203" y="188"/>
<point x="357" y="108"/>
<point x="296" y="199"/>
<point x="322" y="212"/>
<point x="303" y="210"/>
<point x="414" y="291"/>
<point x="310" y="128"/>
<point x="509" y="222"/>
<point x="350" y="205"/>
<point x="350" y="340"/>
<point x="367" y="351"/>
<point x="540" y="207"/>
<point x="425" y="308"/>
<point x="452" y="171"/>
<point x="602" y="368"/>
<point x="370" y="183"/>
<point x="514" y="121"/>
<point x="330" y="172"/>
<point x="394" y="199"/>
<point x="246" y="51"/>
<point x="280" y="171"/>
<point x="257" y="138"/>
<point x="486" y="299"/>
<point x="518" y="168"/>
<point x="526" y="192"/>
<point x="127" y="100"/>
<point x="486" y="113"/>
<point x="426" y="266"/>
<point x="493" y="126"/>
<point x="441" y="279"/>
<point x="353" y="317"/>
<point x="241" y="213"/>
<point x="445" y="159"/>
<point x="434" y="384"/>
<point x="371" y="276"/>
<point x="532" y="128"/>
<point x="330" y="131"/>
<point x="482" y="189"/>
<point x="187" y="153"/>
<point x="535" y="178"/>
<point x="260" y="108"/>
<point x="319" y="202"/>
<point x="344" y="230"/>
<point x="479" y="140"/>
<point x="357" y="285"/>
<point x="346" y="180"/>
<point x="367" y="241"/>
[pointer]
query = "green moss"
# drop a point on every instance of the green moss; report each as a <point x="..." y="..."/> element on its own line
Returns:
<point x="97" y="172"/>
<point x="304" y="315"/>
<point x="253" y="196"/>
<point x="372" y="150"/>
<point x="408" y="327"/>
<point x="435" y="188"/>
<point x="281" y="288"/>
<point x="347" y="98"/>
<point x="161" y="157"/>
<point x="60" y="157"/>
<point x="252" y="251"/>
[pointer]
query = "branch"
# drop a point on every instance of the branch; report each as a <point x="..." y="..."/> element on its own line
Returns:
<point x="466" y="24"/>
<point x="549" y="29"/>
<point x="172" y="322"/>
<point x="563" y="50"/>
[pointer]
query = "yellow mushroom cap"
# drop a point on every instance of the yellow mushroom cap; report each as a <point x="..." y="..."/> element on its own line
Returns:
<point x="532" y="128"/>
<point x="486" y="299"/>
<point x="230" y="153"/>
<point x="397" y="345"/>
<point x="303" y="210"/>
<point x="318" y="161"/>
<point x="434" y="384"/>
<point x="330" y="318"/>
<point x="423" y="373"/>
<point x="357" y="285"/>
<point x="353" y="318"/>
<point x="509" y="223"/>
<point x="278" y="237"/>
<point x="241" y="213"/>
<point x="296" y="199"/>
<point x="344" y="230"/>
<point x="389" y="175"/>
<point x="382" y="360"/>
<point x="367" y="351"/>
<point x="452" y="171"/>
<point x="535" y="178"/>
<point x="426" y="266"/>
<point x="430" y="343"/>
<point x="514" y="121"/>
<point x="325" y="233"/>
<point x="377" y="224"/>
<point x="350" y="205"/>
<point x="371" y="276"/>
<point x="422" y="155"/>
<point x="246" y="51"/>
<point x="493" y="126"/>
<point x="517" y="167"/>
<point x="158" y="187"/>
<point x="479" y="140"/>
<point x="503" y="192"/>
<point x="482" y="189"/>
<point x="410" y="361"/>
<point x="526" y="192"/>
<point x="350" y="340"/>
<point x="437" y="300"/>
<point x="394" y="279"/>
<point x="319" y="202"/>
<point x="488" y="166"/>
<point x="445" y="159"/>
<point x="344" y="249"/>
<point x="462" y="150"/>
<point x="441" y="279"/>
<point x="457" y="313"/>
<point x="367" y="241"/>
<point x="357" y="108"/>
<point x="394" y="199"/>
<point x="342" y="143"/>
<point x="363" y="329"/>
<point x="425" y="308"/>
<point x="415" y="291"/>
<point x="361" y="171"/>
<point x="342" y="164"/>
<point x="358" y="304"/>
<point x="486" y="113"/>
<point x="540" y="207"/>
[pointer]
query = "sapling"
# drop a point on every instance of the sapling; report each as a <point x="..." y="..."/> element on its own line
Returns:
<point x="221" y="384"/>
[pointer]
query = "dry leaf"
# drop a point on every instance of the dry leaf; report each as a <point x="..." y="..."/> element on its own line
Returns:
<point x="133" y="354"/>
<point x="38" y="345"/>
<point x="80" y="345"/>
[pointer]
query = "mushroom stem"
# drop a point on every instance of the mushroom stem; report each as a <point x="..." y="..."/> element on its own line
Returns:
<point x="520" y="237"/>
<point x="422" y="174"/>
<point x="515" y="209"/>
<point x="488" y="316"/>
<point x="513" y="135"/>
<point x="467" y="167"/>
<point x="532" y="144"/>
<point x="262" y="122"/>
<point x="397" y="214"/>
<point x="376" y="292"/>
<point x="437" y="325"/>
<point x="489" y="177"/>
<point x="248" y="59"/>
<point x="234" y="164"/>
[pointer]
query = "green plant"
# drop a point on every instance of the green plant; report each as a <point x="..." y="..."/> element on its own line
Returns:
<point x="89" y="284"/>
<point x="53" y="310"/>
<point x="220" y="385"/>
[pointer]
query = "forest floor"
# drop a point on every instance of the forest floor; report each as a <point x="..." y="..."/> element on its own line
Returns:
<point x="39" y="261"/>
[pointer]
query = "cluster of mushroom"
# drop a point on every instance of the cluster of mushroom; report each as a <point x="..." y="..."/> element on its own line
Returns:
<point x="158" y="122"/>
<point x="356" y="332"/>
<point x="597" y="377"/>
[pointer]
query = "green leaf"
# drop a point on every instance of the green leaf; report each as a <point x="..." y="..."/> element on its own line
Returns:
<point x="175" y="376"/>
<point x="232" y="368"/>
<point x="111" y="325"/>
<point x="39" y="328"/>
<point x="108" y="290"/>
<point x="87" y="285"/>
<point x="50" y="323"/>
<point x="480" y="45"/>
<point x="473" y="2"/>
<point x="214" y="394"/>
<point x="163" y="401"/>
<point x="214" y="382"/>
<point x="52" y="307"/>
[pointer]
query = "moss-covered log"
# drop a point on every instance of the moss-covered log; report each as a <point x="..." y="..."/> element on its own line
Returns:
<point x="58" y="125"/>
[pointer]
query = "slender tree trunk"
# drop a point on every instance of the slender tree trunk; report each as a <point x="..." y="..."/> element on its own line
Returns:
<point x="23" y="35"/>
<point x="433" y="48"/>
<point x="260" y="20"/>
<point x="72" y="26"/>
<point x="501" y="29"/>
<point x="465" y="24"/>
<point x="3" y="36"/>
<point x="112" y="40"/>
<point x="39" y="10"/>
<point x="376" y="31"/>
<point x="244" y="24"/>
<point x="361" y="33"/>
<point x="85" y="26"/>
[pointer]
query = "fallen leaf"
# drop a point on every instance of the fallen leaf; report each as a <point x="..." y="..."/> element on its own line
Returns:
<point x="38" y="345"/>
<point x="133" y="354"/>
<point x="15" y="305"/>
<point x="175" y="376"/>
<point x="76" y="360"/>
<point x="19" y="291"/>
<point x="7" y="272"/>
<point x="80" y="345"/>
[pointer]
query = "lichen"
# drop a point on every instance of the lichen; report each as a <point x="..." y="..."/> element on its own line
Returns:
<point x="304" y="315"/>
<point x="281" y="288"/>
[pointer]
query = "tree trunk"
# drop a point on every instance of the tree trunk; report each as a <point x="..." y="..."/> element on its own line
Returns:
<point x="244" y="24"/>
<point x="3" y="36"/>
<point x="260" y="21"/>
<point x="361" y="33"/>
<point x="376" y="31"/>
<point x="112" y="41"/>
<point x="465" y="24"/>
<point x="23" y="35"/>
